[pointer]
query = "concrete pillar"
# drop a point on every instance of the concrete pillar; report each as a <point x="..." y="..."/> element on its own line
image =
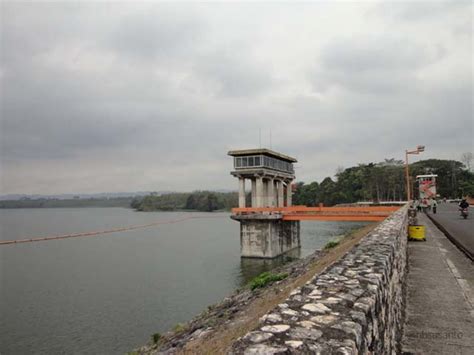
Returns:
<point x="281" y="200"/>
<point x="241" y="192"/>
<point x="254" y="192"/>
<point x="260" y="238"/>
<point x="259" y="192"/>
<point x="270" y="193"/>
<point x="288" y="194"/>
<point x="275" y="193"/>
<point x="264" y="193"/>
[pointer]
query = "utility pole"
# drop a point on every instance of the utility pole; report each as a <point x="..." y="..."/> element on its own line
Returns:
<point x="419" y="149"/>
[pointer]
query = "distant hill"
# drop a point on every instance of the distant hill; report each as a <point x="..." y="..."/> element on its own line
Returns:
<point x="67" y="203"/>
<point x="141" y="201"/>
<point x="101" y="195"/>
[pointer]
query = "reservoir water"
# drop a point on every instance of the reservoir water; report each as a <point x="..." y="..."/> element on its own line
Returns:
<point x="108" y="294"/>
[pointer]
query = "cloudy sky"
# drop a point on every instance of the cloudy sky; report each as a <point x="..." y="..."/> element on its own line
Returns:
<point x="113" y="96"/>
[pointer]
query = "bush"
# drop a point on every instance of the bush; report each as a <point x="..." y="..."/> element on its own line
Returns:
<point x="156" y="338"/>
<point x="331" y="244"/>
<point x="265" y="279"/>
<point x="179" y="328"/>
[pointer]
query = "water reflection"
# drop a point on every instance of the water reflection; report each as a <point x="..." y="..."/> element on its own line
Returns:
<point x="251" y="267"/>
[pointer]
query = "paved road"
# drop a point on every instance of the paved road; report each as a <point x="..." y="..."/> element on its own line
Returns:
<point x="462" y="230"/>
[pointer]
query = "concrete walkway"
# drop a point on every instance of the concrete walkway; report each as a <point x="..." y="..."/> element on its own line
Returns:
<point x="440" y="297"/>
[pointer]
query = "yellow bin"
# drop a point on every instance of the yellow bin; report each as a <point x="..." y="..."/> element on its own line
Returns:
<point x="416" y="232"/>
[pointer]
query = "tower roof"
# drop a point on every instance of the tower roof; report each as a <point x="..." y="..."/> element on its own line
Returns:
<point x="263" y="151"/>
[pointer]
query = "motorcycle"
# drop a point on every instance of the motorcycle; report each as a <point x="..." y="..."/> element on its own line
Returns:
<point x="464" y="212"/>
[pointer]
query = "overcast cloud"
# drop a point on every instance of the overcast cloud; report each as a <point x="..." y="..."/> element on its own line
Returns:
<point x="150" y="96"/>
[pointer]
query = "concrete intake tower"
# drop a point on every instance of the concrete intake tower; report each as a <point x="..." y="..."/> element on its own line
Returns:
<point x="264" y="233"/>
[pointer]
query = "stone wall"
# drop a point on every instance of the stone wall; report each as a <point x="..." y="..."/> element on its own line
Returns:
<point x="353" y="307"/>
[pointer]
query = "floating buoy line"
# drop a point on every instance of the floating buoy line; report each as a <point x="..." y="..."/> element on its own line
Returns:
<point x="101" y="232"/>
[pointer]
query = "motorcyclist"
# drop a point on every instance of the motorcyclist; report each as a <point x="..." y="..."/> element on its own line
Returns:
<point x="463" y="204"/>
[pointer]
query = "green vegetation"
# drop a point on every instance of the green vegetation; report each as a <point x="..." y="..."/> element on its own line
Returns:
<point x="179" y="328"/>
<point x="331" y="244"/>
<point x="199" y="200"/>
<point x="384" y="181"/>
<point x="56" y="203"/>
<point x="156" y="338"/>
<point x="453" y="180"/>
<point x="165" y="202"/>
<point x="265" y="279"/>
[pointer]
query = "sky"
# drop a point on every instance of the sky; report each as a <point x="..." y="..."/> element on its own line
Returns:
<point x="150" y="96"/>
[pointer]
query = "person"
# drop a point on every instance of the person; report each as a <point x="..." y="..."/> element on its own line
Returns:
<point x="418" y="205"/>
<point x="434" y="204"/>
<point x="463" y="204"/>
<point x="424" y="205"/>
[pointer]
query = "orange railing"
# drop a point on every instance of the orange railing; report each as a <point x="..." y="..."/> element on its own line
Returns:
<point x="302" y="208"/>
<point x="346" y="213"/>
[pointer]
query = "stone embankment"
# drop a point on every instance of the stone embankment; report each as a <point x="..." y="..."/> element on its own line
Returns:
<point x="355" y="306"/>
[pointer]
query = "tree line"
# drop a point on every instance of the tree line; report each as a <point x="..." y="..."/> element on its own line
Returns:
<point x="67" y="203"/>
<point x="205" y="201"/>
<point x="384" y="181"/>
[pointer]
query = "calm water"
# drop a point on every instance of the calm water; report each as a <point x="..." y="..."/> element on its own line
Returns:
<point x="108" y="294"/>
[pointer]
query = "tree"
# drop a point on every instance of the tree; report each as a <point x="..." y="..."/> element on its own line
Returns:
<point x="327" y="192"/>
<point x="467" y="158"/>
<point x="306" y="194"/>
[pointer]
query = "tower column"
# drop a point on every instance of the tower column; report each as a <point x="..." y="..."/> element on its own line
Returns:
<point x="281" y="200"/>
<point x="254" y="192"/>
<point x="264" y="193"/>
<point x="241" y="192"/>
<point x="288" y="194"/>
<point x="259" y="192"/>
<point x="271" y="193"/>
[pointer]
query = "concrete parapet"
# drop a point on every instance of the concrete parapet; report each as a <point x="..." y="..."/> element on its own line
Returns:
<point x="354" y="307"/>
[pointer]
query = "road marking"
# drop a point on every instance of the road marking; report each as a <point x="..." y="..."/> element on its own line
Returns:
<point x="463" y="284"/>
<point x="453" y="268"/>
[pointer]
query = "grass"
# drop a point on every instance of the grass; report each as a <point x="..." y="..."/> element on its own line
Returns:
<point x="265" y="279"/>
<point x="331" y="244"/>
<point x="179" y="328"/>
